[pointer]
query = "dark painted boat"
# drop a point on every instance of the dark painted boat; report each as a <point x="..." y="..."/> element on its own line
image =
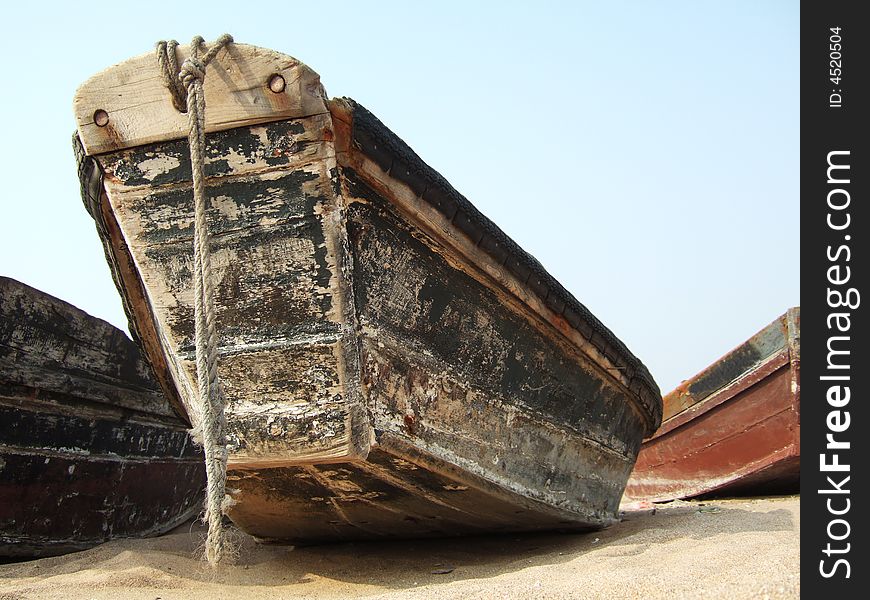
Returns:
<point x="394" y="364"/>
<point x="90" y="450"/>
<point x="734" y="428"/>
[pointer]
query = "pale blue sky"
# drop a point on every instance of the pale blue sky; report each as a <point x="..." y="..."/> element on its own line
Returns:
<point x="646" y="153"/>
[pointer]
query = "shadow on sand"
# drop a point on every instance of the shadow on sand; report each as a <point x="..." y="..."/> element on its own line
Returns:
<point x="405" y="564"/>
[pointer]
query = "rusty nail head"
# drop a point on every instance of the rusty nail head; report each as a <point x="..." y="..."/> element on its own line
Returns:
<point x="276" y="84"/>
<point x="101" y="118"/>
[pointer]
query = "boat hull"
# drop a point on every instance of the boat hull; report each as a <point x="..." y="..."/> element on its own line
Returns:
<point x="394" y="365"/>
<point x="396" y="492"/>
<point x="89" y="448"/>
<point x="735" y="428"/>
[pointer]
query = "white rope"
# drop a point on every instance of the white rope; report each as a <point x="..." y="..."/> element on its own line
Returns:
<point x="211" y="398"/>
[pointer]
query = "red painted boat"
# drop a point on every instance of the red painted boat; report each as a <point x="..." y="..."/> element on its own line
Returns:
<point x="733" y="429"/>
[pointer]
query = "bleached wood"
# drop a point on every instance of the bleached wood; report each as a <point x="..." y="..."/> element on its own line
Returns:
<point x="273" y="220"/>
<point x="237" y="92"/>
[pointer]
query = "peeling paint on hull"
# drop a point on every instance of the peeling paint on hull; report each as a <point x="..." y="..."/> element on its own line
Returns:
<point x="733" y="429"/>
<point x="394" y="365"/>
<point x="90" y="449"/>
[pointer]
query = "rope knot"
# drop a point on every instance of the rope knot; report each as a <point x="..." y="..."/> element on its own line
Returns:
<point x="192" y="69"/>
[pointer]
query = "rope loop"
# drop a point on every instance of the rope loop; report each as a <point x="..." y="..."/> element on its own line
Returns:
<point x="167" y="60"/>
<point x="178" y="80"/>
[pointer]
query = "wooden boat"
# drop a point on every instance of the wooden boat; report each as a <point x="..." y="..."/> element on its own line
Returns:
<point x="734" y="428"/>
<point x="89" y="448"/>
<point x="394" y="364"/>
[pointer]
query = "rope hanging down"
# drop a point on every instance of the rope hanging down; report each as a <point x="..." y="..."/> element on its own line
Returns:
<point x="186" y="87"/>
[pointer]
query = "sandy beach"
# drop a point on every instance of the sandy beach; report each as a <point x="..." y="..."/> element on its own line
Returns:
<point x="746" y="548"/>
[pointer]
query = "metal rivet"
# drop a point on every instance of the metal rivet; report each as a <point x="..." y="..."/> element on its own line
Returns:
<point x="101" y="118"/>
<point x="276" y="84"/>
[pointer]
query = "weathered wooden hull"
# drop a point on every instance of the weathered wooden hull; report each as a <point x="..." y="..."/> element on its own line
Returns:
<point x="394" y="364"/>
<point x="733" y="429"/>
<point x="89" y="448"/>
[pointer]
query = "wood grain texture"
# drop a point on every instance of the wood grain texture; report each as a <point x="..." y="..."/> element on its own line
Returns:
<point x="52" y="346"/>
<point x="277" y="260"/>
<point x="140" y="109"/>
<point x="89" y="447"/>
<point x="476" y="244"/>
<point x="449" y="368"/>
<point x="388" y="371"/>
<point x="395" y="493"/>
<point x="57" y="504"/>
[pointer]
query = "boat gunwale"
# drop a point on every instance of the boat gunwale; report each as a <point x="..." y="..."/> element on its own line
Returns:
<point x="143" y="331"/>
<point x="782" y="364"/>
<point x="787" y="323"/>
<point x="738" y="385"/>
<point x="389" y="152"/>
